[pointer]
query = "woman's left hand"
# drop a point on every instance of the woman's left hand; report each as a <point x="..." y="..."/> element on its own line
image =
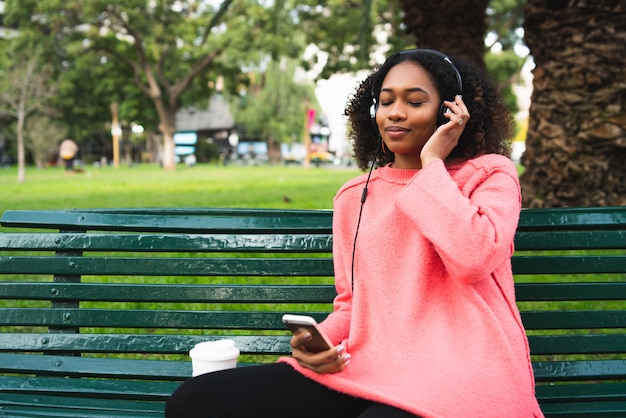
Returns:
<point x="330" y="361"/>
<point x="446" y="137"/>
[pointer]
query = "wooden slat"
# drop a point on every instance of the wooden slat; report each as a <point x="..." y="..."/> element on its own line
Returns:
<point x="190" y="221"/>
<point x="136" y="318"/>
<point x="545" y="371"/>
<point x="261" y="344"/>
<point x="530" y="219"/>
<point x="583" y="400"/>
<point x="137" y="343"/>
<point x="116" y="292"/>
<point x="166" y="266"/>
<point x="525" y="292"/>
<point x="574" y="319"/>
<point x="104" y="405"/>
<point x="95" y="367"/>
<point x="577" y="344"/>
<point x="570" y="240"/>
<point x="556" y="371"/>
<point x="573" y="218"/>
<point x="35" y="405"/>
<point x="96" y="388"/>
<point x="280" y="243"/>
<point x="247" y="319"/>
<point x="581" y="392"/>
<point x="574" y="264"/>
<point x="587" y="409"/>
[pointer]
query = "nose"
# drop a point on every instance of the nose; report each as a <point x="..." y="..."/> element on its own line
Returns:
<point x="396" y="111"/>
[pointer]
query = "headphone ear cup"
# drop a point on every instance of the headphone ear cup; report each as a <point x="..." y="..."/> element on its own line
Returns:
<point x="373" y="109"/>
<point x="441" y="119"/>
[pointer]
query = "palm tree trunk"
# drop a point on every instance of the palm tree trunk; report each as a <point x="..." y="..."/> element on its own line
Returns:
<point x="576" y="144"/>
<point x="451" y="26"/>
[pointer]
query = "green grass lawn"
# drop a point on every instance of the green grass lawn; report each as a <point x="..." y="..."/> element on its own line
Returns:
<point x="151" y="186"/>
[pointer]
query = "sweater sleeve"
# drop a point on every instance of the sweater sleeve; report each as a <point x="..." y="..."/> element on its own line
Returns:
<point x="470" y="219"/>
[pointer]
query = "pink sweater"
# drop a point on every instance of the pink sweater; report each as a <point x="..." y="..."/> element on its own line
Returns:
<point x="432" y="326"/>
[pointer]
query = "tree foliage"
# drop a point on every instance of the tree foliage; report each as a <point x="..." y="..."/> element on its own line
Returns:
<point x="275" y="106"/>
<point x="27" y="84"/>
<point x="42" y="135"/>
<point x="165" y="46"/>
<point x="154" y="57"/>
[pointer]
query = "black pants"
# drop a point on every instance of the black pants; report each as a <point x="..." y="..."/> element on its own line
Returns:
<point x="271" y="390"/>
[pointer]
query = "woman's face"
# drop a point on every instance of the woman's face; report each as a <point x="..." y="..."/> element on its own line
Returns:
<point x="407" y="112"/>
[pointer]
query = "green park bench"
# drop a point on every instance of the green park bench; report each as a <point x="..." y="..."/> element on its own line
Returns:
<point x="99" y="307"/>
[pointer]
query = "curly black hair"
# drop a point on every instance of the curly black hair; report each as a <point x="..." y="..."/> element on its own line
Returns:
<point x="487" y="132"/>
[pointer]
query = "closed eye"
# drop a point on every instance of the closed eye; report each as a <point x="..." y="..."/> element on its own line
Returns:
<point x="411" y="103"/>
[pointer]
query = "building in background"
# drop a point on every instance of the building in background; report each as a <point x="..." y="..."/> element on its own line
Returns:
<point x="205" y="132"/>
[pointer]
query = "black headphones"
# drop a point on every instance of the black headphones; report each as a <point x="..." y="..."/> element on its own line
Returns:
<point x="441" y="119"/>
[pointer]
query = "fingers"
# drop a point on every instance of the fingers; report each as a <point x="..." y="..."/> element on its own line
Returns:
<point x="298" y="339"/>
<point x="335" y="366"/>
<point x="330" y="361"/>
<point x="458" y="111"/>
<point x="446" y="136"/>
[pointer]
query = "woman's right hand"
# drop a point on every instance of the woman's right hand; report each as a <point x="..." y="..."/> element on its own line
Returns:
<point x="446" y="136"/>
<point x="330" y="361"/>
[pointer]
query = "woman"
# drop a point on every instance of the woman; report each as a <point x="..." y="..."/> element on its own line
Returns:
<point x="425" y="322"/>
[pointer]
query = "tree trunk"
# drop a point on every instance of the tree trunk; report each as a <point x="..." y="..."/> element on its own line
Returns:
<point x="169" y="159"/>
<point x="274" y="154"/>
<point x="21" y="153"/>
<point x="576" y="144"/>
<point x="451" y="26"/>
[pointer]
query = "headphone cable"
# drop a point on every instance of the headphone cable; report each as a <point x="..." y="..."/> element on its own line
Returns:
<point x="363" y="197"/>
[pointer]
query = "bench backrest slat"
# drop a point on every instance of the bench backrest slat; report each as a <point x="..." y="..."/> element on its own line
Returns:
<point x="96" y="367"/>
<point x="549" y="371"/>
<point x="81" y="317"/>
<point x="568" y="240"/>
<point x="190" y="221"/>
<point x="127" y="266"/>
<point x="573" y="319"/>
<point x="577" y="344"/>
<point x="237" y="266"/>
<point x="282" y="243"/>
<point x="145" y="318"/>
<point x="182" y="293"/>
<point x="119" y="292"/>
<point x="136" y="343"/>
<point x="572" y="218"/>
<point x="580" y="264"/>
<point x="562" y="291"/>
<point x="113" y="389"/>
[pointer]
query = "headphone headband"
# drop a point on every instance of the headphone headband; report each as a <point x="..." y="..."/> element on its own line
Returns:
<point x="457" y="74"/>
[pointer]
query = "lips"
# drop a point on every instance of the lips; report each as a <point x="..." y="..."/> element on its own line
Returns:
<point x="396" y="131"/>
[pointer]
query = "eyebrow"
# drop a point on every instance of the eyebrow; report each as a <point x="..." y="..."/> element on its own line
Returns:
<point x="409" y="90"/>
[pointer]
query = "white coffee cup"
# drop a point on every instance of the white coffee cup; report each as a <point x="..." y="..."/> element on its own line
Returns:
<point x="210" y="356"/>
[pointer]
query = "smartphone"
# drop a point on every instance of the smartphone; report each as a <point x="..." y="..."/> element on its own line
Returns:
<point x="297" y="323"/>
